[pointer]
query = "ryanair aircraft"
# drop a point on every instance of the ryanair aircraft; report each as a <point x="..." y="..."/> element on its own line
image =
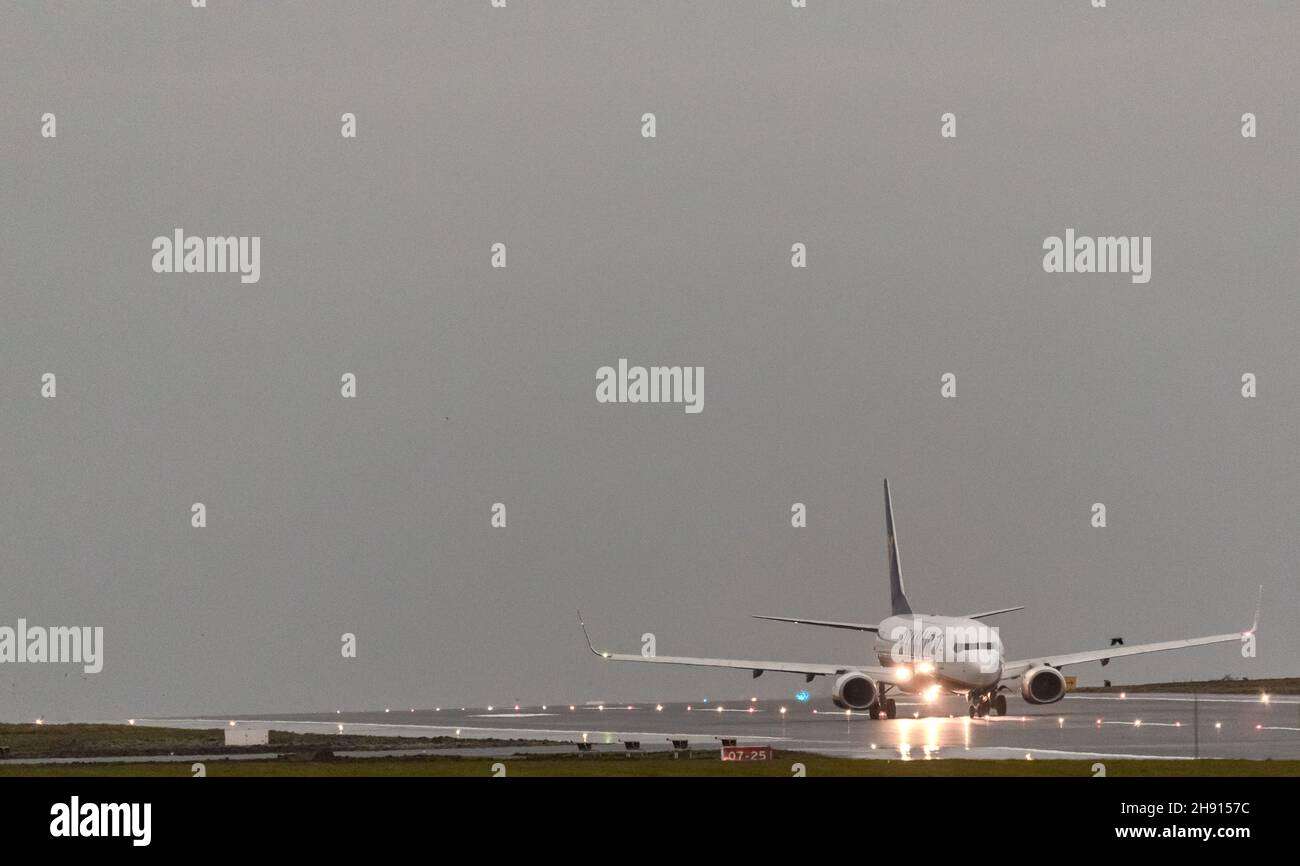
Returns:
<point x="928" y="655"/>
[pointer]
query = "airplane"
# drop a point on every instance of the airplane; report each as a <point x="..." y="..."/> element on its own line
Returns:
<point x="928" y="655"/>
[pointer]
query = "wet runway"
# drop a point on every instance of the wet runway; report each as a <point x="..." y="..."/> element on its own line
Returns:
<point x="1081" y="726"/>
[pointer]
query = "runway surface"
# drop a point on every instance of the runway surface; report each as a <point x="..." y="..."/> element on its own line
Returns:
<point x="1079" y="727"/>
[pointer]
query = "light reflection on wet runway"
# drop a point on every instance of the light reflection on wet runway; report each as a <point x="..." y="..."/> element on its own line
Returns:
<point x="1081" y="726"/>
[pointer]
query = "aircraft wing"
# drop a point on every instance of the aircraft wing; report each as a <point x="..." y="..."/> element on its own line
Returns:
<point x="808" y="669"/>
<point x="1016" y="668"/>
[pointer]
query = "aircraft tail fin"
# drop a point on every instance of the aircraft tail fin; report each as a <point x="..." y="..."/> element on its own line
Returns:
<point x="898" y="604"/>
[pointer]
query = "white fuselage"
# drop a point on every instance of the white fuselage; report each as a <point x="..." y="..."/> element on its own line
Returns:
<point x="955" y="653"/>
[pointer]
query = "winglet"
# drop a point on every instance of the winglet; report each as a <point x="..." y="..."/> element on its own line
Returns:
<point x="1254" y="626"/>
<point x="592" y="646"/>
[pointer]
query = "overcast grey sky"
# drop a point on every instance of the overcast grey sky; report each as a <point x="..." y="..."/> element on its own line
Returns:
<point x="477" y="385"/>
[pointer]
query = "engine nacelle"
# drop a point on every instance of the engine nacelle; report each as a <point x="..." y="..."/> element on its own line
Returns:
<point x="855" y="691"/>
<point x="1042" y="685"/>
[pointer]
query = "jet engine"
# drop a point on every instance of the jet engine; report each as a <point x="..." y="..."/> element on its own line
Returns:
<point x="1042" y="685"/>
<point x="855" y="691"/>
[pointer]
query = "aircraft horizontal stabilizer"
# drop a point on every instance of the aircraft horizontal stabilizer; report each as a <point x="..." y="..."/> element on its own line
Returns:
<point x="824" y="623"/>
<point x="994" y="612"/>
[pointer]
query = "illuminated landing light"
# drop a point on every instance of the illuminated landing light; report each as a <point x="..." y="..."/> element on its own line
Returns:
<point x="572" y="708"/>
<point x="916" y="715"/>
<point x="338" y="712"/>
<point x="783" y="711"/>
<point x="873" y="746"/>
<point x="489" y="709"/>
<point x="601" y="707"/>
<point x="931" y="694"/>
<point x="1218" y="726"/>
<point x="1123" y="696"/>
<point x="232" y="723"/>
<point x="753" y="700"/>
<point x="385" y="709"/>
<point x="904" y="674"/>
<point x="1263" y="699"/>
<point x="659" y="708"/>
<point x="925" y="668"/>
<point x="1060" y="721"/>
<point x="1028" y="757"/>
<point x="1137" y="723"/>
<point x="340" y="728"/>
<point x="1099" y="723"/>
<point x="629" y="706"/>
<point x="751" y="709"/>
<point x="719" y="708"/>
<point x="130" y="721"/>
<point x="543" y="706"/>
<point x="42" y="721"/>
<point x="688" y="708"/>
<point x="1257" y="727"/>
<point x="458" y="732"/>
<point x="412" y="709"/>
<point x="516" y="708"/>
<point x="1178" y="724"/>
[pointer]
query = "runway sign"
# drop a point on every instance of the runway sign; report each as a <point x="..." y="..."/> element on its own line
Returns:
<point x="746" y="753"/>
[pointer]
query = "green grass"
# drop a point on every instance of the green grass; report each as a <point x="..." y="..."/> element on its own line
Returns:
<point x="1276" y="686"/>
<point x="659" y="765"/>
<point x="93" y="741"/>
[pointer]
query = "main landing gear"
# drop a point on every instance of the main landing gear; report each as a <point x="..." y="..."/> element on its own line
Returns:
<point x="884" y="707"/>
<point x="982" y="703"/>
